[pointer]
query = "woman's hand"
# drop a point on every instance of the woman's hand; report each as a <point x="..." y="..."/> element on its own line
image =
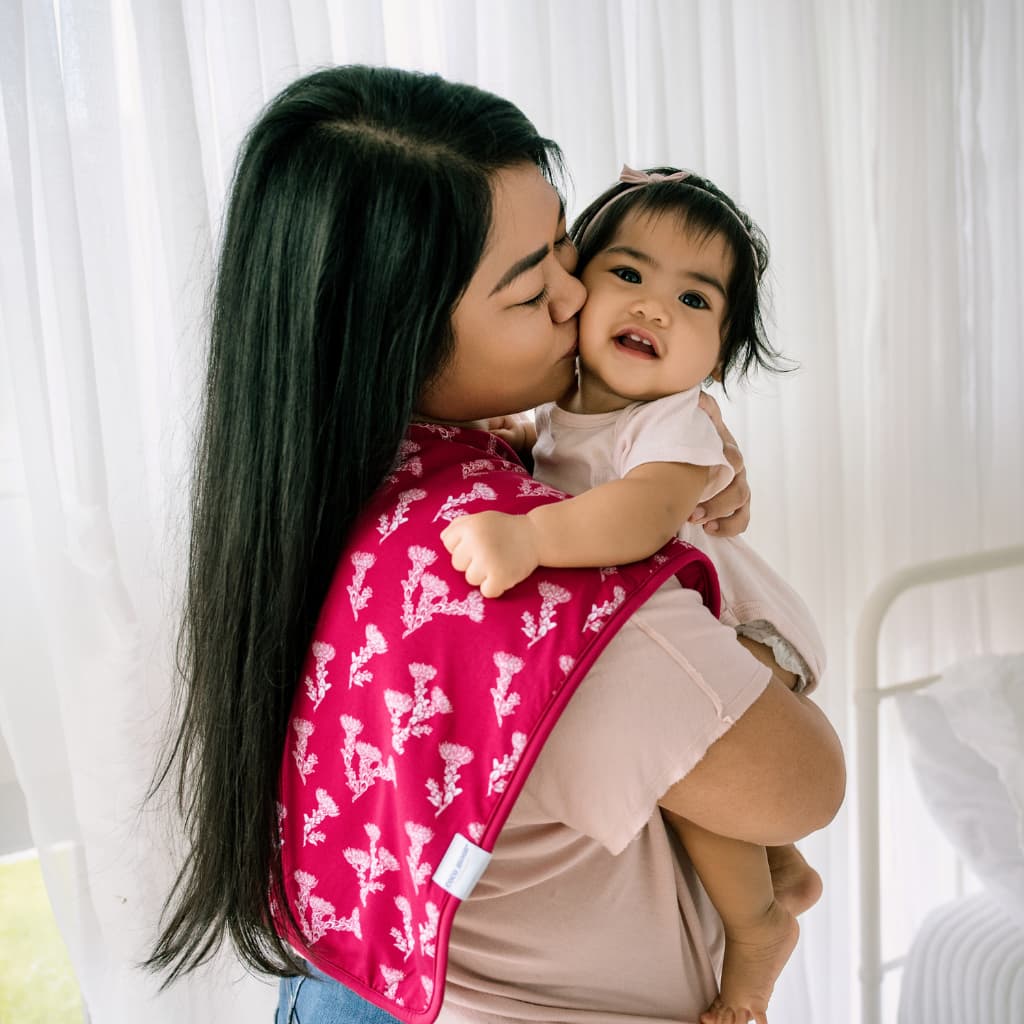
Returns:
<point x="727" y="514"/>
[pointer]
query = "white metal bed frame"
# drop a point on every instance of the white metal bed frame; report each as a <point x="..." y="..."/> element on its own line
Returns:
<point x="868" y="695"/>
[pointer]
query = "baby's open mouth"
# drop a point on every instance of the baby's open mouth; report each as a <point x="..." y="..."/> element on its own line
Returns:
<point x="636" y="343"/>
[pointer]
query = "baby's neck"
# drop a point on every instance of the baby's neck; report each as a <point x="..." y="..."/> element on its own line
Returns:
<point x="588" y="398"/>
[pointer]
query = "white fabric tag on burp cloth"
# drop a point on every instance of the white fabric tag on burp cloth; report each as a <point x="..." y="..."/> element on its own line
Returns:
<point x="461" y="867"/>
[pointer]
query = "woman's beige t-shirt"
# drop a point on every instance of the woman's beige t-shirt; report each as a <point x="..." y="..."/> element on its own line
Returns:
<point x="590" y="910"/>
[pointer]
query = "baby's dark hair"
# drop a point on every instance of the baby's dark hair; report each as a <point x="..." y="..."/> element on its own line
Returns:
<point x="703" y="208"/>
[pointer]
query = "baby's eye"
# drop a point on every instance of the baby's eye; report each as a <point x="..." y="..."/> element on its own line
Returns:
<point x="694" y="300"/>
<point x="627" y="274"/>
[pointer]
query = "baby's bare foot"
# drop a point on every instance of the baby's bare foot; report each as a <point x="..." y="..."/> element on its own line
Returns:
<point x="796" y="884"/>
<point x="755" y="954"/>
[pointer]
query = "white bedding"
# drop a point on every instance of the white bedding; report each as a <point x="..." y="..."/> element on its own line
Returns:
<point x="966" y="744"/>
<point x="966" y="966"/>
<point x="965" y="736"/>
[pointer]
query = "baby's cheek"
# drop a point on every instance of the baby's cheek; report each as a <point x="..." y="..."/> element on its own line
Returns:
<point x="590" y="317"/>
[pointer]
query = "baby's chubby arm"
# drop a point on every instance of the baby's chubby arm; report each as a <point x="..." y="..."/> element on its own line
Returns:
<point x="618" y="522"/>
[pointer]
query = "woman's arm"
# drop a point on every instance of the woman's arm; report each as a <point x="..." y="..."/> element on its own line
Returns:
<point x="675" y="711"/>
<point x="612" y="524"/>
<point x="775" y="776"/>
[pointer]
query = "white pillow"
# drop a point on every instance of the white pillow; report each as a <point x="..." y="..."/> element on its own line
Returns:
<point x="966" y="739"/>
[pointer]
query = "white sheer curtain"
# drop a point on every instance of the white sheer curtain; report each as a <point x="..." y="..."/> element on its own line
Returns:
<point x="879" y="145"/>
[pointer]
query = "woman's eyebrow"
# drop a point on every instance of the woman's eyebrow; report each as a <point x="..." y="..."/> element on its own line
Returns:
<point x="527" y="262"/>
<point x="520" y="267"/>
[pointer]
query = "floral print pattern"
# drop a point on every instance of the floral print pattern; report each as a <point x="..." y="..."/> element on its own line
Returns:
<point x="446" y="702"/>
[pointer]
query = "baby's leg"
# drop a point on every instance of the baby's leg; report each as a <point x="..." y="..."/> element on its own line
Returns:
<point x="760" y="933"/>
<point x="796" y="884"/>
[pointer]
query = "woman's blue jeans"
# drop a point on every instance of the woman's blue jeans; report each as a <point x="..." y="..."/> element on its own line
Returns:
<point x="322" y="1000"/>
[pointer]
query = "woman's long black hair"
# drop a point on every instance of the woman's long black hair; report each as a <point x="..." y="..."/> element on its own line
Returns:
<point x="359" y="210"/>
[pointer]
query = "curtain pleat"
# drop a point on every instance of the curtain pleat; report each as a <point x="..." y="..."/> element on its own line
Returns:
<point x="879" y="146"/>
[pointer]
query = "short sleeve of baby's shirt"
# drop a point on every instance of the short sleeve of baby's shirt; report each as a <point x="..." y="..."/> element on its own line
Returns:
<point x="669" y="683"/>
<point x="673" y="429"/>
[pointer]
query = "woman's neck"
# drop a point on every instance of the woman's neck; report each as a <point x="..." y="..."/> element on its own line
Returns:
<point x="464" y="424"/>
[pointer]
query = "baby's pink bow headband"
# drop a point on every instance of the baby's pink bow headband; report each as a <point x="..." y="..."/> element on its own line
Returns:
<point x="632" y="177"/>
<point x="637" y="179"/>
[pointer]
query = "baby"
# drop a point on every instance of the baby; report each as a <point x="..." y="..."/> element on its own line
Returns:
<point x="673" y="270"/>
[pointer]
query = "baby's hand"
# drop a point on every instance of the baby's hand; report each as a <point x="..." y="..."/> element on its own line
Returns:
<point x="518" y="431"/>
<point x="493" y="549"/>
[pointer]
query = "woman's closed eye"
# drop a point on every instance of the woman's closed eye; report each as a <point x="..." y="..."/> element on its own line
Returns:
<point x="538" y="299"/>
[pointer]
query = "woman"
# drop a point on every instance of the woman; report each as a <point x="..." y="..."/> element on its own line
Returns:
<point x="395" y="250"/>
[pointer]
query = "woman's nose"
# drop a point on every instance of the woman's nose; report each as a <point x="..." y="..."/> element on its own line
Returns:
<point x="568" y="296"/>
